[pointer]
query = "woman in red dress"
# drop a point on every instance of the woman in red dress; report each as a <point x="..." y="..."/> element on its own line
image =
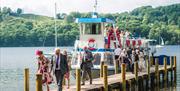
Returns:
<point x="118" y="32"/>
<point x="110" y="35"/>
<point x="43" y="68"/>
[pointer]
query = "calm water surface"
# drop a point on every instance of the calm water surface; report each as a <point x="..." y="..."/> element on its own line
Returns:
<point x="14" y="59"/>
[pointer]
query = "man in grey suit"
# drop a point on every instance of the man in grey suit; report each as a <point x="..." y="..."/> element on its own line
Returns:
<point x="59" y="67"/>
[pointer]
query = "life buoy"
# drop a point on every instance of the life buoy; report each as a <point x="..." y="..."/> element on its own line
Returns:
<point x="91" y="44"/>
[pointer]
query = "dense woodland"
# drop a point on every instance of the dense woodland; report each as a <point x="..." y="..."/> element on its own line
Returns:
<point x="19" y="29"/>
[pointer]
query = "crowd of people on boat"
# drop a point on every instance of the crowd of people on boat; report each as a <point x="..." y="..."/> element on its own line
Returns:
<point x="111" y="33"/>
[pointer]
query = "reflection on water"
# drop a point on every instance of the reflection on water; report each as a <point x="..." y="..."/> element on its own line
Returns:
<point x="14" y="60"/>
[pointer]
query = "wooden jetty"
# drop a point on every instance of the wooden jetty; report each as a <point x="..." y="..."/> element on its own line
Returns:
<point x="124" y="80"/>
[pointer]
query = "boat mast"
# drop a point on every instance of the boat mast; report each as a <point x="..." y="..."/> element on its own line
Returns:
<point x="95" y="6"/>
<point x="94" y="14"/>
<point x="55" y="26"/>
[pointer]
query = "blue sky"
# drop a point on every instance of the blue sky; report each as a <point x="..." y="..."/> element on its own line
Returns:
<point x="46" y="7"/>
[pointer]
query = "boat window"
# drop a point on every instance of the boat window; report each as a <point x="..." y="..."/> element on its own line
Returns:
<point x="108" y="58"/>
<point x="97" y="58"/>
<point x="93" y="28"/>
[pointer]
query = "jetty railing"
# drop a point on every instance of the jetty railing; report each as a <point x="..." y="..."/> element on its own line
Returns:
<point x="124" y="80"/>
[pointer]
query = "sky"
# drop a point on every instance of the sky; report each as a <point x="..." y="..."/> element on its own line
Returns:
<point x="46" y="7"/>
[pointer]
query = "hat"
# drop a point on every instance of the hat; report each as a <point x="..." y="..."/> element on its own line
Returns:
<point x="38" y="52"/>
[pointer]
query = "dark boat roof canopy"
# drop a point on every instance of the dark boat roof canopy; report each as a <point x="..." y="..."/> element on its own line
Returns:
<point x="93" y="20"/>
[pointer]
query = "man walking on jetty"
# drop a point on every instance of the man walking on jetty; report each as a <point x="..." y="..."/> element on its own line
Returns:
<point x="60" y="67"/>
<point x="86" y="65"/>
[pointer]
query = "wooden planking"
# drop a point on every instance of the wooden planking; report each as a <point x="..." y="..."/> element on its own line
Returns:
<point x="113" y="79"/>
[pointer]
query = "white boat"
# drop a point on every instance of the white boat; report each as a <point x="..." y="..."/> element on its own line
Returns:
<point x="92" y="35"/>
<point x="92" y="32"/>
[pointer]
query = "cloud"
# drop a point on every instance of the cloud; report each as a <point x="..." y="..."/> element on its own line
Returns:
<point x="46" y="7"/>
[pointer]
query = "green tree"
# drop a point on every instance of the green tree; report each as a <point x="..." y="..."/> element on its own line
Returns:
<point x="19" y="11"/>
<point x="68" y="19"/>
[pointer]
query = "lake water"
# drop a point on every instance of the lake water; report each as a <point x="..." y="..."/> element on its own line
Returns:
<point x="13" y="60"/>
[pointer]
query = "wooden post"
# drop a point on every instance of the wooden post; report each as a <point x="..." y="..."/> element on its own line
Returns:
<point x="130" y="85"/>
<point x="78" y="80"/>
<point x="105" y="78"/>
<point x="171" y="64"/>
<point x="123" y="76"/>
<point x="38" y="82"/>
<point x="136" y="71"/>
<point x="101" y="70"/>
<point x="165" y="69"/>
<point x="157" y="71"/>
<point x="116" y="66"/>
<point x="175" y="65"/>
<point x="151" y="61"/>
<point x="26" y="79"/>
<point x="148" y="72"/>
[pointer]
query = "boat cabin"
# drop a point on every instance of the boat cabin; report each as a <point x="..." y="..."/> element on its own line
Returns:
<point x="92" y="32"/>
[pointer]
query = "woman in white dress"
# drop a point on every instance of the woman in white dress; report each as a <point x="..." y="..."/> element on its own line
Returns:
<point x="141" y="64"/>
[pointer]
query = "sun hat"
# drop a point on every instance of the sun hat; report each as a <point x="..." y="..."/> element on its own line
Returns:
<point x="38" y="52"/>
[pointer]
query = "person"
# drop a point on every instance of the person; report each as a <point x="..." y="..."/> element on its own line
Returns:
<point x="106" y="34"/>
<point x="133" y="60"/>
<point x="117" y="31"/>
<point x="69" y="65"/>
<point x="117" y="53"/>
<point x="59" y="67"/>
<point x="86" y="65"/>
<point x="110" y="35"/>
<point x="141" y="62"/>
<point x="43" y="68"/>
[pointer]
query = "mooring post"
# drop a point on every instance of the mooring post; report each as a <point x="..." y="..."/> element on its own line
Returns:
<point x="175" y="65"/>
<point x="116" y="67"/>
<point x="123" y="75"/>
<point x="26" y="79"/>
<point x="101" y="70"/>
<point x="157" y="71"/>
<point x="136" y="72"/>
<point x="78" y="80"/>
<point x="105" y="78"/>
<point x="130" y="85"/>
<point x="171" y="64"/>
<point x="165" y="69"/>
<point x="151" y="61"/>
<point x="148" y="72"/>
<point x="38" y="82"/>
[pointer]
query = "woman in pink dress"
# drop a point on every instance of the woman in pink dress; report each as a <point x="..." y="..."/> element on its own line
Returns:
<point x="43" y="68"/>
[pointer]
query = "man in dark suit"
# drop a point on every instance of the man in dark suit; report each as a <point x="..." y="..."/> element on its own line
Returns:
<point x="59" y="67"/>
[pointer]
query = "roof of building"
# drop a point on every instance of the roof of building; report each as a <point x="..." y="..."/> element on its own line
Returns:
<point x="93" y="20"/>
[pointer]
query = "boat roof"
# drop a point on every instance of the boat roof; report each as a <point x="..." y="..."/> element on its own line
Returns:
<point x="93" y="20"/>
